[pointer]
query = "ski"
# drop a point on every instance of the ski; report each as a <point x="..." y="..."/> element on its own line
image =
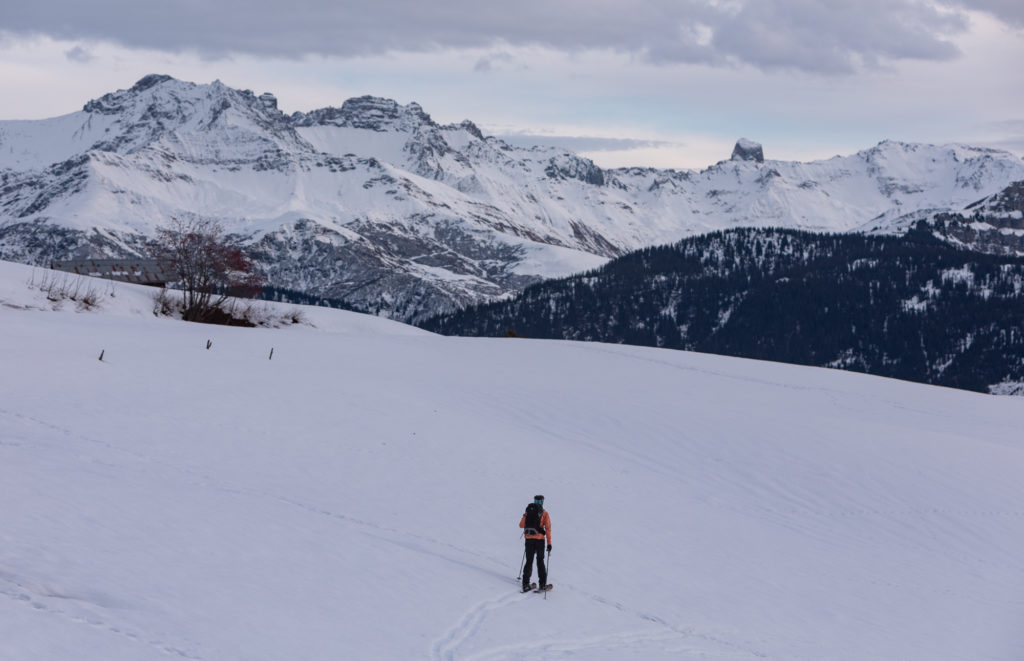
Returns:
<point x="546" y="588"/>
<point x="532" y="587"/>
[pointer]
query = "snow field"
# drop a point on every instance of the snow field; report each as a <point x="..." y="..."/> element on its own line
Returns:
<point x="358" y="497"/>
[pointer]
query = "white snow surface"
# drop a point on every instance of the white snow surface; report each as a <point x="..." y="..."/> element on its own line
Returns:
<point x="35" y="144"/>
<point x="358" y="497"/>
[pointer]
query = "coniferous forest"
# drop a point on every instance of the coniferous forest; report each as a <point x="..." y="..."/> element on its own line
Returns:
<point x="910" y="307"/>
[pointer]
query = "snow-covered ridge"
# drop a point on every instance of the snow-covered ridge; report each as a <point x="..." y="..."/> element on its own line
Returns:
<point x="34" y="289"/>
<point x="411" y="216"/>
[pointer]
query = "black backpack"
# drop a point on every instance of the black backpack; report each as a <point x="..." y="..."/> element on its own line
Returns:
<point x="532" y="525"/>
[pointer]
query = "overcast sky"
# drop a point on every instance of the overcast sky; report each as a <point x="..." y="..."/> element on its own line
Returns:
<point x="670" y="83"/>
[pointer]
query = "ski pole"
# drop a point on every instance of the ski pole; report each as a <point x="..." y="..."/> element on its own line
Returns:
<point x="549" y="574"/>
<point x="521" y="565"/>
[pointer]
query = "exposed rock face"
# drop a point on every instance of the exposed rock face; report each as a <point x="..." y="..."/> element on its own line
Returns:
<point x="994" y="224"/>
<point x="570" y="166"/>
<point x="376" y="271"/>
<point x="472" y="129"/>
<point x="367" y="112"/>
<point x="748" y="150"/>
<point x="268" y="100"/>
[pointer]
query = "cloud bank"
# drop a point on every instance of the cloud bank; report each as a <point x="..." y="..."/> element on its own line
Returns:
<point x="579" y="143"/>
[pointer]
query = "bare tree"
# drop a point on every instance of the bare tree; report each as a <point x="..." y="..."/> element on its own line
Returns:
<point x="210" y="267"/>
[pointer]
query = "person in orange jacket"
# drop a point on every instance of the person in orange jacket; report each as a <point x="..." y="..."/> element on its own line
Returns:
<point x="536" y="525"/>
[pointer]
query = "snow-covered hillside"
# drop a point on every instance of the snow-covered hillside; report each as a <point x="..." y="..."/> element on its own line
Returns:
<point x="357" y="496"/>
<point x="376" y="203"/>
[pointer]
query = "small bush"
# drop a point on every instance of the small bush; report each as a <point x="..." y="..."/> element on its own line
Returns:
<point x="233" y="312"/>
<point x="60" y="287"/>
<point x="210" y="267"/>
<point x="165" y="305"/>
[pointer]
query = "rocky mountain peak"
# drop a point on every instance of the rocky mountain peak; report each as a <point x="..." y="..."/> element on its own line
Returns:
<point x="146" y="82"/>
<point x="114" y="103"/>
<point x="472" y="129"/>
<point x="570" y="166"/>
<point x="268" y="100"/>
<point x="368" y="112"/>
<point x="748" y="150"/>
<point x="158" y="94"/>
<point x="161" y="108"/>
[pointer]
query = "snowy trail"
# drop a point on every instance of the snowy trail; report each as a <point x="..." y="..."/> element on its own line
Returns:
<point x="409" y="541"/>
<point x="445" y="649"/>
<point x="648" y="645"/>
<point x="83" y="611"/>
<point x="656" y="640"/>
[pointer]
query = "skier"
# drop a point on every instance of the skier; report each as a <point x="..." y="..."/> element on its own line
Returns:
<point x="536" y="525"/>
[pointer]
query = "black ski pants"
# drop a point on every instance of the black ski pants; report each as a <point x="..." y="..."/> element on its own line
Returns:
<point x="535" y="547"/>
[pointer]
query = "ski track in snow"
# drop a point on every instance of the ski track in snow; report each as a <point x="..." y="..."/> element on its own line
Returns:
<point x="445" y="648"/>
<point x="413" y="542"/>
<point x="49" y="600"/>
<point x="559" y="648"/>
<point x="46" y="600"/>
<point x="631" y="644"/>
<point x="672" y="629"/>
<point x="664" y="639"/>
<point x="375" y="530"/>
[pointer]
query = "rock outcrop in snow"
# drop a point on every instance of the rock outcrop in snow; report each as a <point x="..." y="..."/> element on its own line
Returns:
<point x="748" y="150"/>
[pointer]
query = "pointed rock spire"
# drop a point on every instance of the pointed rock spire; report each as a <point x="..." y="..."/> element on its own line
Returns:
<point x="748" y="150"/>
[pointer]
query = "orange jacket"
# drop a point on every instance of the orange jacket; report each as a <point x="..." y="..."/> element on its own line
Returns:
<point x="545" y="523"/>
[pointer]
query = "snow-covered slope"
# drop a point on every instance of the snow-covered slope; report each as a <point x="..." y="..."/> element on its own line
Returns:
<point x="376" y="203"/>
<point x="357" y="497"/>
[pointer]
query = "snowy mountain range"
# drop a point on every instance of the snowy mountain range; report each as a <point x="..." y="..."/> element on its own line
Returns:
<point x="376" y="204"/>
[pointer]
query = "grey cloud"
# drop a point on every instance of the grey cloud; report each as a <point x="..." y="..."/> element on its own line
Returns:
<point x="1009" y="11"/>
<point x="1012" y="145"/>
<point x="1006" y="126"/>
<point x="809" y="35"/>
<point x="1010" y="132"/>
<point x="838" y="36"/>
<point x="491" y="62"/>
<point x="79" y="54"/>
<point x="578" y="143"/>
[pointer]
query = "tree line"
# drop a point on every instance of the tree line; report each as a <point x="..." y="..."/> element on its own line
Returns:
<point x="910" y="307"/>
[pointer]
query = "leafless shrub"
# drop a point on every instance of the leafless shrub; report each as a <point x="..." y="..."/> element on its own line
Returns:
<point x="232" y="311"/>
<point x="60" y="287"/>
<point x="89" y="299"/>
<point x="263" y="314"/>
<point x="210" y="267"/>
<point x="266" y="316"/>
<point x="259" y="314"/>
<point x="165" y="305"/>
